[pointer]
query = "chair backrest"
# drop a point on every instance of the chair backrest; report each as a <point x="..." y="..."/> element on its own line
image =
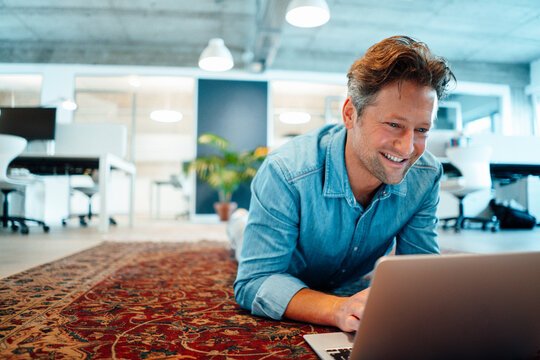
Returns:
<point x="473" y="163"/>
<point x="10" y="147"/>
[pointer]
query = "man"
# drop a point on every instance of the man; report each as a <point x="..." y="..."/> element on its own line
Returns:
<point x="328" y="204"/>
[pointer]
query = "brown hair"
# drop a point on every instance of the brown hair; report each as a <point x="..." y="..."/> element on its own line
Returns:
<point x="396" y="58"/>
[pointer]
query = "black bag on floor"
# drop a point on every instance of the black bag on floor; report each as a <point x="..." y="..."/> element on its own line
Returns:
<point x="511" y="218"/>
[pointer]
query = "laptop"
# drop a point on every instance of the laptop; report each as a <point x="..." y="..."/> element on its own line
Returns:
<point x="465" y="306"/>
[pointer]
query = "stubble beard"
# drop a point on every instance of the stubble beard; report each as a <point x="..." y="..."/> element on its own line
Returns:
<point x="387" y="176"/>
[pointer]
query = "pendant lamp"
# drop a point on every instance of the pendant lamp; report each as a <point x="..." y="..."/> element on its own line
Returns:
<point x="307" y="13"/>
<point x="216" y="56"/>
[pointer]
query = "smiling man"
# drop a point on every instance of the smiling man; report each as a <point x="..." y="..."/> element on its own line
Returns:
<point x="328" y="204"/>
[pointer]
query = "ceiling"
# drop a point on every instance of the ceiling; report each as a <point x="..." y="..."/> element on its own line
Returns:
<point x="174" y="32"/>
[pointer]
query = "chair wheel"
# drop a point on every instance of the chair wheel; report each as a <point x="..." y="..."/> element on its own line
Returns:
<point x="25" y="231"/>
<point x="14" y="227"/>
<point x="46" y="228"/>
<point x="64" y="223"/>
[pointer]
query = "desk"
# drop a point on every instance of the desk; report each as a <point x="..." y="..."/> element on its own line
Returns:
<point x="155" y="188"/>
<point x="500" y="171"/>
<point x="73" y="164"/>
<point x="157" y="185"/>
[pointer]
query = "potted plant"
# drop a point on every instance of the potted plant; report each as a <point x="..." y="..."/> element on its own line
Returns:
<point x="226" y="170"/>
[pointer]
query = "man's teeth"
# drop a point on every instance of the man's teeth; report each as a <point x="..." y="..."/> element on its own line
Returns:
<point x="393" y="158"/>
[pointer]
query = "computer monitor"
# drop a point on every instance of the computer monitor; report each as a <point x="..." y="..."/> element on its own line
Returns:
<point x="449" y="116"/>
<point x="31" y="123"/>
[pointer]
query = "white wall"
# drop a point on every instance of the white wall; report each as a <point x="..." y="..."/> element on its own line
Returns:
<point x="535" y="74"/>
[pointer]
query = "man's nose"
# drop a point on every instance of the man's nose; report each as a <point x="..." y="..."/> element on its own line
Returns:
<point x="404" y="143"/>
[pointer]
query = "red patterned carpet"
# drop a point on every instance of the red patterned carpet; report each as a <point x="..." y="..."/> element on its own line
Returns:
<point x="139" y="301"/>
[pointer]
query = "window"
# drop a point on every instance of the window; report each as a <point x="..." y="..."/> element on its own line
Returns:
<point x="301" y="106"/>
<point x="20" y="90"/>
<point x="158" y="149"/>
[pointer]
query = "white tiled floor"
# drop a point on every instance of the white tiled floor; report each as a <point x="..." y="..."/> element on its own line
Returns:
<point x="19" y="252"/>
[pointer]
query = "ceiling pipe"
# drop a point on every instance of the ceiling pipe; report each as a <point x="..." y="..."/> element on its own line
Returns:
<point x="269" y="22"/>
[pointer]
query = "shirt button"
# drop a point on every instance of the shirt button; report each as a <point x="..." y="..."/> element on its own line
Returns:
<point x="343" y="270"/>
<point x="384" y="193"/>
<point x="356" y="248"/>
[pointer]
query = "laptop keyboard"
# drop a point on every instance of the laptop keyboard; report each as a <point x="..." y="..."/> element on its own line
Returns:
<point x="340" y="354"/>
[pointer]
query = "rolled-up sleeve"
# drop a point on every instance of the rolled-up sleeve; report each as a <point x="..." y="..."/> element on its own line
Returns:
<point x="263" y="284"/>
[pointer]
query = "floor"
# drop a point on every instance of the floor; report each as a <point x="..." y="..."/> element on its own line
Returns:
<point x="20" y="252"/>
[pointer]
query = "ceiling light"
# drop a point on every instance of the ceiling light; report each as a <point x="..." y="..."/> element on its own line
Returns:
<point x="134" y="81"/>
<point x="69" y="104"/>
<point x="64" y="102"/>
<point x="307" y="13"/>
<point x="216" y="56"/>
<point x="166" y="116"/>
<point x="294" y="117"/>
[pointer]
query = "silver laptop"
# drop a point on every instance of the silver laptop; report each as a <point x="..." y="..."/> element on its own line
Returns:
<point x="446" y="307"/>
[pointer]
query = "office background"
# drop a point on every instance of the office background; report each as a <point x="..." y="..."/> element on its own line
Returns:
<point x="121" y="61"/>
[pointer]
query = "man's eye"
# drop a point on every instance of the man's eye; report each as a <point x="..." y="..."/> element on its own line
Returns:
<point x="393" y="125"/>
<point x="423" y="130"/>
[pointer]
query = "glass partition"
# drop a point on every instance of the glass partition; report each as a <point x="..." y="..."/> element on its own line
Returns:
<point x="157" y="145"/>
<point x="477" y="108"/>
<point x="301" y="106"/>
<point x="472" y="114"/>
<point x="20" y="90"/>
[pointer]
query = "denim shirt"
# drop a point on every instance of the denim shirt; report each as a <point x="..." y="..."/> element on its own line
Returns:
<point x="306" y="229"/>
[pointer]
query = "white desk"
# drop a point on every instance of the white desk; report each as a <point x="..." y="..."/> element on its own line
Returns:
<point x="74" y="164"/>
<point x="155" y="192"/>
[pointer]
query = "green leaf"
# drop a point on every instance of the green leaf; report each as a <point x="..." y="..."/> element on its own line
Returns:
<point x="225" y="172"/>
<point x="214" y="140"/>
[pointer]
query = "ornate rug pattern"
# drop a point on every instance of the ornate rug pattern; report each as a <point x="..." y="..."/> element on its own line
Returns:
<point x="139" y="301"/>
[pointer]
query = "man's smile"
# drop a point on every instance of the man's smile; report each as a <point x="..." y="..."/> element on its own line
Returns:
<point x="393" y="158"/>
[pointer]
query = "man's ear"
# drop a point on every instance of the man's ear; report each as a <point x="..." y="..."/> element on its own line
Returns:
<point x="349" y="113"/>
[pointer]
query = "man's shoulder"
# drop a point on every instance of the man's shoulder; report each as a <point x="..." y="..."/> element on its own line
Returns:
<point x="305" y="153"/>
<point x="428" y="162"/>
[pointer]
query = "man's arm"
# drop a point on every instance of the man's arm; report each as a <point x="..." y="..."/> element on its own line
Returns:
<point x="419" y="235"/>
<point x="324" y="309"/>
<point x="263" y="284"/>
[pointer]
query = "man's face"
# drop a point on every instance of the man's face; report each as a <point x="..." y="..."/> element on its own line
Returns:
<point x="391" y="133"/>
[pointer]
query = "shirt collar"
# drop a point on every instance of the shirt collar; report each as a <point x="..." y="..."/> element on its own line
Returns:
<point x="336" y="180"/>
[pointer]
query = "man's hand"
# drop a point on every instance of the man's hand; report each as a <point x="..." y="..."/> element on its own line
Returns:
<point x="323" y="309"/>
<point x="349" y="310"/>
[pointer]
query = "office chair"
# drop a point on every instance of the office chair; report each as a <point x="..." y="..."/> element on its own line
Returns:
<point x="181" y="183"/>
<point x="89" y="190"/>
<point x="177" y="181"/>
<point x="473" y="164"/>
<point x="10" y="147"/>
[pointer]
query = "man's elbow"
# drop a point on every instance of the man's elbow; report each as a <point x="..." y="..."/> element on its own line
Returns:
<point x="240" y="294"/>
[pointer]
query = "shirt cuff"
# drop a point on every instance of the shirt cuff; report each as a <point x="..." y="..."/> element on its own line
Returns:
<point x="274" y="295"/>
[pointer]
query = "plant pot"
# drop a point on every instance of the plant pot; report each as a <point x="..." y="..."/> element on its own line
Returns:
<point x="225" y="209"/>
